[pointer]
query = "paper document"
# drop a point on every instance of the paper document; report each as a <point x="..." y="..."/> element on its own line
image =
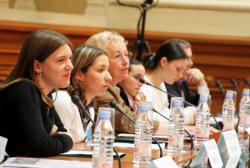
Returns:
<point x="21" y="162"/>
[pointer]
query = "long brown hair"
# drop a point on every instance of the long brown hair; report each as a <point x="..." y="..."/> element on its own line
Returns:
<point x="38" y="46"/>
<point x="83" y="57"/>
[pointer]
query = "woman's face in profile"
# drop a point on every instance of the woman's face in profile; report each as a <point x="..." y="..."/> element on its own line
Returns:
<point x="97" y="77"/>
<point x="174" y="70"/>
<point x="132" y="84"/>
<point x="55" y="70"/>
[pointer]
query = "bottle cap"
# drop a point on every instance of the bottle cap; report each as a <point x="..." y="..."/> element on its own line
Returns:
<point x="177" y="103"/>
<point x="105" y="114"/>
<point x="203" y="98"/>
<point x="229" y="94"/>
<point x="145" y="106"/>
<point x="246" y="92"/>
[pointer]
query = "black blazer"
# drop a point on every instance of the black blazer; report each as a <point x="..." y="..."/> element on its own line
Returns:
<point x="178" y="87"/>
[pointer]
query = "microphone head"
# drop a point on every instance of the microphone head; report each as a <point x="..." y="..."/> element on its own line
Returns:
<point x="76" y="99"/>
<point x="219" y="125"/>
<point x="144" y="82"/>
<point x="247" y="83"/>
<point x="113" y="103"/>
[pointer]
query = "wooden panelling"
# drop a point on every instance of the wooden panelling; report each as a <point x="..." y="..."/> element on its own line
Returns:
<point x="220" y="58"/>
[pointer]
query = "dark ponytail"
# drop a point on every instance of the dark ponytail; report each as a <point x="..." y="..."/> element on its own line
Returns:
<point x="149" y="61"/>
<point x="169" y="49"/>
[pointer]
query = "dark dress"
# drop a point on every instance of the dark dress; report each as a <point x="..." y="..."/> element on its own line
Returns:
<point x="27" y="122"/>
<point x="182" y="87"/>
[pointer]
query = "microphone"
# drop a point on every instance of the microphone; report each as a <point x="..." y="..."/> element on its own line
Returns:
<point x="246" y="82"/>
<point x="76" y="99"/>
<point x="218" y="125"/>
<point x="236" y="86"/>
<point x="220" y="86"/>
<point x="171" y="94"/>
<point x="119" y="109"/>
<point x="189" y="135"/>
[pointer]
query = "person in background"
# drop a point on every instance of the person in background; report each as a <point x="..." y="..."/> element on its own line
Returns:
<point x="190" y="76"/>
<point x="89" y="78"/>
<point x="167" y="65"/>
<point x="130" y="87"/>
<point x="116" y="47"/>
<point x="28" y="118"/>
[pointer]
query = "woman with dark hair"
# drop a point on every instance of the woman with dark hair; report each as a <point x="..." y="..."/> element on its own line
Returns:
<point x="167" y="65"/>
<point x="28" y="118"/>
<point x="89" y="78"/>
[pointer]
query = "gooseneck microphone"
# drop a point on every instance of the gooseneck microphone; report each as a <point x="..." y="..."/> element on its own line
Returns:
<point x="76" y="99"/>
<point x="189" y="135"/>
<point x="118" y="108"/>
<point x="220" y="86"/>
<point x="171" y="94"/>
<point x="246" y="82"/>
<point x="84" y="114"/>
<point x="235" y="85"/>
<point x="219" y="125"/>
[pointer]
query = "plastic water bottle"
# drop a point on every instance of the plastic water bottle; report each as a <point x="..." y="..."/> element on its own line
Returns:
<point x="103" y="142"/>
<point x="244" y="120"/>
<point x="176" y="126"/>
<point x="202" y="121"/>
<point x="143" y="135"/>
<point x="228" y="111"/>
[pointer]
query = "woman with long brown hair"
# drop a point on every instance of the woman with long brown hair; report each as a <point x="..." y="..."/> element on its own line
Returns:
<point x="28" y="119"/>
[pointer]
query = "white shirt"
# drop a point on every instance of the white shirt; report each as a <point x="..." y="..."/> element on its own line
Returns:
<point x="158" y="98"/>
<point x="70" y="116"/>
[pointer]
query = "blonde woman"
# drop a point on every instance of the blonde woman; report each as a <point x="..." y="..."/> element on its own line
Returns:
<point x="116" y="47"/>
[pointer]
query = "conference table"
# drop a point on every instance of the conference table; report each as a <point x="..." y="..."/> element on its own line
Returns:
<point x="126" y="161"/>
<point x="182" y="158"/>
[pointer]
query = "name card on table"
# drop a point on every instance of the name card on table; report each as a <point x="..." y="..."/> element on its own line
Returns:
<point x="166" y="162"/>
<point x="229" y="147"/>
<point x="210" y="148"/>
<point x="3" y="142"/>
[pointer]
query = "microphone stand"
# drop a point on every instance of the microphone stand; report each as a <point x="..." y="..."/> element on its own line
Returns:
<point x="141" y="43"/>
<point x="114" y="105"/>
<point x="76" y="99"/>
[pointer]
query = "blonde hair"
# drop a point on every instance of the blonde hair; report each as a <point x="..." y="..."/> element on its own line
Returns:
<point x="101" y="39"/>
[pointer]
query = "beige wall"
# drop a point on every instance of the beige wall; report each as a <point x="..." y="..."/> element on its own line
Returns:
<point x="216" y="17"/>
